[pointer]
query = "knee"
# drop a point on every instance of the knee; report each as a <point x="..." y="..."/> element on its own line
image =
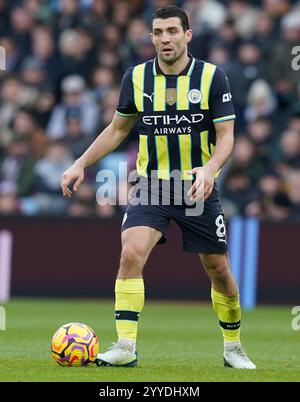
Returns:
<point x="131" y="258"/>
<point x="218" y="270"/>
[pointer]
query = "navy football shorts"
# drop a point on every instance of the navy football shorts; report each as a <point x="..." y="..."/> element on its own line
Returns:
<point x="205" y="233"/>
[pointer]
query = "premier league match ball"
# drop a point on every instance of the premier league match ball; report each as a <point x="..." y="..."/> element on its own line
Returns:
<point x="75" y="345"/>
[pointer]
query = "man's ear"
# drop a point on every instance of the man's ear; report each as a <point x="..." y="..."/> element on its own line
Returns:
<point x="189" y="35"/>
<point x="151" y="35"/>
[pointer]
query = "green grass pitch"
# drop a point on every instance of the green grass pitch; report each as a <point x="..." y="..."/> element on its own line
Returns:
<point x="177" y="342"/>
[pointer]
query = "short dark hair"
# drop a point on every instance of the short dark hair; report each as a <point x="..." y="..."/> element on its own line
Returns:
<point x="172" y="11"/>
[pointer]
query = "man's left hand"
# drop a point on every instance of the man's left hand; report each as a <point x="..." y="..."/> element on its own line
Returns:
<point x="204" y="183"/>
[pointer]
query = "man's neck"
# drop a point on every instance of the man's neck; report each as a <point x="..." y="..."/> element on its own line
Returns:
<point x="176" y="68"/>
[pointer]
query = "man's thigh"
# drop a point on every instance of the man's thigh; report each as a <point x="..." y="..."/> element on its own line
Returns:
<point x="151" y="216"/>
<point x="205" y="233"/>
<point x="141" y="239"/>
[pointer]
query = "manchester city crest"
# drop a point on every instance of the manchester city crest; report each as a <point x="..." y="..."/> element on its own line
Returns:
<point x="171" y="96"/>
<point x="194" y="96"/>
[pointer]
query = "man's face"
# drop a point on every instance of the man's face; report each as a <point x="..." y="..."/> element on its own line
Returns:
<point x="169" y="39"/>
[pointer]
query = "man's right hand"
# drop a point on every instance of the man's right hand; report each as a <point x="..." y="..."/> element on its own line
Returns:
<point x="74" y="173"/>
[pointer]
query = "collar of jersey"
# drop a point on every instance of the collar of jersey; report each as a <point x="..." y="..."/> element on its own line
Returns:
<point x="186" y="71"/>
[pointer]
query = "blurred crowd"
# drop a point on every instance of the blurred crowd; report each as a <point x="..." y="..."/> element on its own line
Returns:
<point x="64" y="63"/>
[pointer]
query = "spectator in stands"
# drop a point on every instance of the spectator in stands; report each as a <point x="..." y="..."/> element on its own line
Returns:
<point x="252" y="157"/>
<point x="43" y="50"/>
<point x="16" y="169"/>
<point x="220" y="56"/>
<point x="34" y="79"/>
<point x="293" y="193"/>
<point x="68" y="15"/>
<point x="108" y="58"/>
<point x="103" y="80"/>
<point x="261" y="101"/>
<point x="271" y="196"/>
<point x="75" y="95"/>
<point x="75" y="57"/>
<point x="75" y="140"/>
<point x="289" y="151"/>
<point x="269" y="185"/>
<point x="244" y="15"/>
<point x="13" y="56"/>
<point x="121" y="13"/>
<point x="245" y="70"/>
<point x="236" y="191"/>
<point x="207" y="15"/>
<point x="112" y="37"/>
<point x="262" y="134"/>
<point x="44" y="107"/>
<point x="21" y="24"/>
<point x="264" y="33"/>
<point x="48" y="171"/>
<point x="4" y="17"/>
<point x="10" y="102"/>
<point x="108" y="106"/>
<point x="294" y="121"/>
<point x="25" y="126"/>
<point x="83" y="204"/>
<point x="138" y="30"/>
<point x="49" y="168"/>
<point x="279" y="209"/>
<point x="228" y="37"/>
<point x="97" y="17"/>
<point x="284" y="78"/>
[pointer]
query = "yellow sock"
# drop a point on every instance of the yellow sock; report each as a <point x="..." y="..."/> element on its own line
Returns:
<point x="229" y="313"/>
<point x="130" y="296"/>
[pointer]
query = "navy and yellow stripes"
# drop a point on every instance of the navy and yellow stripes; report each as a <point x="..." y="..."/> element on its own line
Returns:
<point x="207" y="75"/>
<point x="185" y="152"/>
<point x="159" y="96"/>
<point x="190" y="71"/>
<point x="207" y="149"/>
<point x="205" y="154"/>
<point x="138" y="79"/>
<point x="143" y="156"/>
<point x="168" y="140"/>
<point x="163" y="159"/>
<point x="183" y="85"/>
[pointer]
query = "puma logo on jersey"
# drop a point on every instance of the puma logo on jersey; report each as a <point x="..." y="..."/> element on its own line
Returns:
<point x="149" y="96"/>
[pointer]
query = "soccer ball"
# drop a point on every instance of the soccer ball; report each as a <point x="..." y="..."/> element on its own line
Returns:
<point x="74" y="344"/>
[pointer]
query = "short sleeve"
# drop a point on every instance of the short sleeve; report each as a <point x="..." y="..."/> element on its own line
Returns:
<point x="220" y="99"/>
<point x="126" y="106"/>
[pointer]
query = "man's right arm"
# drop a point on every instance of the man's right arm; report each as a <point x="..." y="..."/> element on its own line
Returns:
<point x="105" y="143"/>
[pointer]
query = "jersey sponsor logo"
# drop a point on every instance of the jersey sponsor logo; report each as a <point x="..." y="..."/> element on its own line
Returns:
<point x="149" y="96"/>
<point x="194" y="96"/>
<point x="173" y="130"/>
<point x="171" y="96"/>
<point x="226" y="97"/>
<point x="168" y="120"/>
